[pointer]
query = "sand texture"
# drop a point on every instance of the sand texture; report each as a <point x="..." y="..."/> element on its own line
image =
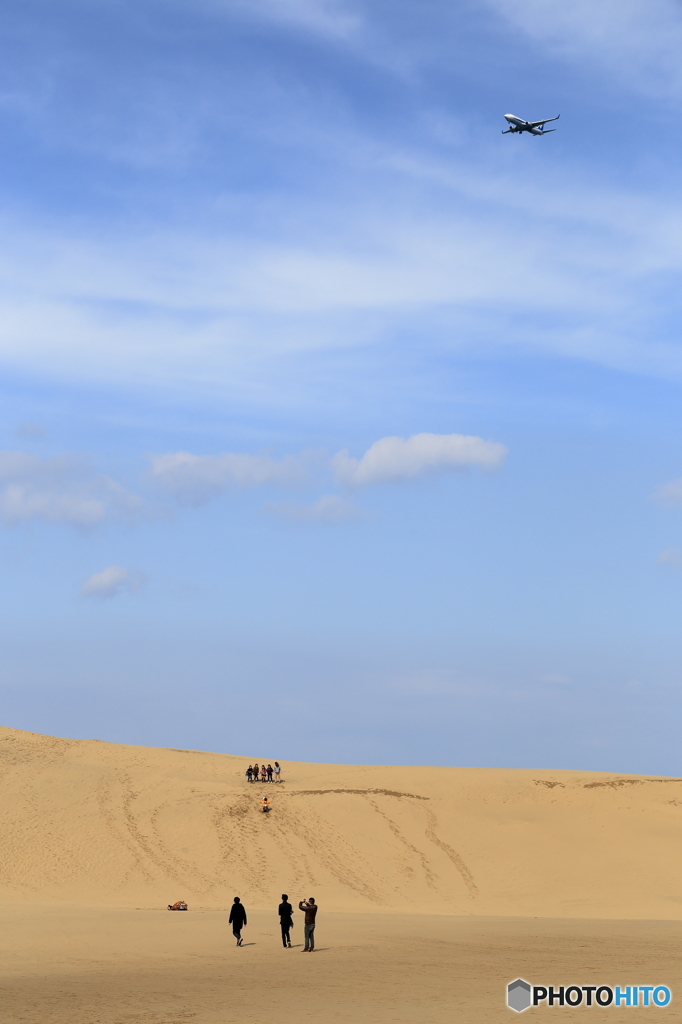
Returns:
<point x="93" y="823"/>
<point x="103" y="966"/>
<point x="437" y="886"/>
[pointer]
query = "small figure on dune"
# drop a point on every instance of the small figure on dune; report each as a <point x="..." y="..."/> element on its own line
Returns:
<point x="256" y="773"/>
<point x="269" y="773"/>
<point x="277" y="770"/>
<point x="286" y="920"/>
<point x="180" y="905"/>
<point x="265" y="805"/>
<point x="263" y="773"/>
<point x="237" y="920"/>
<point x="249" y="774"/>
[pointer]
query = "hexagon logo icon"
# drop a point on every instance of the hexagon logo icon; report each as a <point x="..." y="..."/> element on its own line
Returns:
<point x="518" y="995"/>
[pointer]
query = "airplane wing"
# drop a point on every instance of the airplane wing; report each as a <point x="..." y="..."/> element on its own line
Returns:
<point x="539" y="124"/>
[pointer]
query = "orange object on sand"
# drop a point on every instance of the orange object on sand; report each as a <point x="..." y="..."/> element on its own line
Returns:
<point x="180" y="905"/>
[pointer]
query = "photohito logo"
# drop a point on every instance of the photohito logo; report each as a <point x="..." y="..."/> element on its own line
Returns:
<point x="521" y="995"/>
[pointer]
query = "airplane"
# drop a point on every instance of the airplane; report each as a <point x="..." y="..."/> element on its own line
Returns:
<point x="517" y="124"/>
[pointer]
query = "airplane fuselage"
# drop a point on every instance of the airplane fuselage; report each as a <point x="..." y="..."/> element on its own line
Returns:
<point x="517" y="125"/>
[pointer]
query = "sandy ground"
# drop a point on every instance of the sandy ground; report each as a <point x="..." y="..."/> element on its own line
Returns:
<point x="71" y="965"/>
<point x="438" y="886"/>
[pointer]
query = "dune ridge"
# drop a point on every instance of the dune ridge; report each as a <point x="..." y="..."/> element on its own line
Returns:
<point x="95" y="823"/>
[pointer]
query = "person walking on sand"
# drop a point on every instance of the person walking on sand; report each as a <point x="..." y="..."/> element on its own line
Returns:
<point x="255" y="772"/>
<point x="310" y="908"/>
<point x="286" y="920"/>
<point x="237" y="920"/>
<point x="277" y="771"/>
<point x="269" y="773"/>
<point x="249" y="774"/>
<point x="263" y="773"/>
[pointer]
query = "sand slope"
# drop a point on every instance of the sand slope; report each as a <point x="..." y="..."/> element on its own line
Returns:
<point x="96" y="823"/>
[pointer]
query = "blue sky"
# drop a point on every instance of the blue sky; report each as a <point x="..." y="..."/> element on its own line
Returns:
<point x="336" y="425"/>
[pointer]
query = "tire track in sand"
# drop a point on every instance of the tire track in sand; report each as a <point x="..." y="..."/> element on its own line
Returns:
<point x="467" y="877"/>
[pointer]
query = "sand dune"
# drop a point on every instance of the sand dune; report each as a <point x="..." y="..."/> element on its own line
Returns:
<point x="93" y="823"/>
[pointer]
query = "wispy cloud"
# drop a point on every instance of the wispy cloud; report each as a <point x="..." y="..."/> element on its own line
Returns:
<point x="66" y="488"/>
<point x="113" y="580"/>
<point x="671" y="558"/>
<point x="330" y="508"/>
<point x="507" y="251"/>
<point x="195" y="479"/>
<point x="399" y="459"/>
<point x="170" y="306"/>
<point x="670" y="495"/>
<point x="636" y="41"/>
<point x="60" y="489"/>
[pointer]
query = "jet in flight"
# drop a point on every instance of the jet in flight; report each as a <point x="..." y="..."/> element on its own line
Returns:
<point x="517" y="124"/>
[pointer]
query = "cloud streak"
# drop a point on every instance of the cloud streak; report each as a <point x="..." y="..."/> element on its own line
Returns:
<point x="636" y="41"/>
<point x="66" y="489"/>
<point x="670" y="558"/>
<point x="60" y="489"/>
<point x="510" y="243"/>
<point x="195" y="479"/>
<point x="670" y="495"/>
<point x="174" y="307"/>
<point x="113" y="580"/>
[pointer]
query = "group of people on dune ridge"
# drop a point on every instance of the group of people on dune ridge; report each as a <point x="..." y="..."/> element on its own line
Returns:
<point x="286" y="921"/>
<point x="255" y="774"/>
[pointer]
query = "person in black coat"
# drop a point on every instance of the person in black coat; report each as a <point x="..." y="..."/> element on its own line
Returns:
<point x="286" y="920"/>
<point x="237" y="920"/>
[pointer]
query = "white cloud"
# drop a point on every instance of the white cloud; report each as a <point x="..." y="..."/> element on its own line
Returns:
<point x="176" y="307"/>
<point x="670" y="557"/>
<point x="279" y="269"/>
<point x="197" y="478"/>
<point x="398" y="459"/>
<point x="111" y="581"/>
<point x="171" y="306"/>
<point x="670" y="495"/>
<point x="60" y="489"/>
<point x="330" y="508"/>
<point x="636" y="41"/>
